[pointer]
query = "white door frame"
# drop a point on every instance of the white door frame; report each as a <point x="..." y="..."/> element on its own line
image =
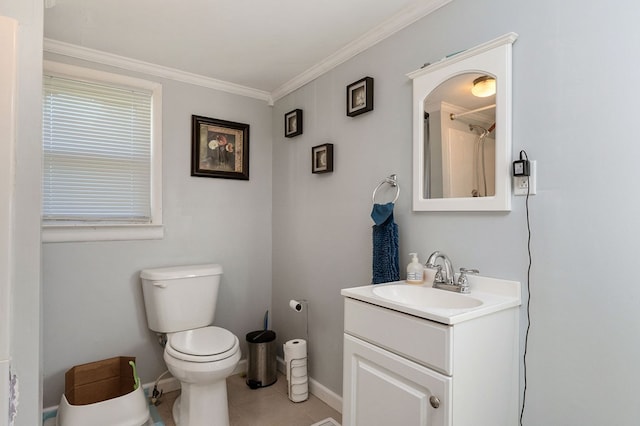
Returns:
<point x="8" y="32"/>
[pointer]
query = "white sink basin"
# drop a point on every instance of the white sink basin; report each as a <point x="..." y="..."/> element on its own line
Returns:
<point x="426" y="297"/>
<point x="487" y="295"/>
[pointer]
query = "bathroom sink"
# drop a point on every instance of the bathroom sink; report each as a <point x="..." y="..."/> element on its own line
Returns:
<point x="488" y="295"/>
<point x="426" y="297"/>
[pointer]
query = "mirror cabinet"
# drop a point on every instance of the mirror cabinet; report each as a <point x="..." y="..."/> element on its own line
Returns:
<point x="462" y="130"/>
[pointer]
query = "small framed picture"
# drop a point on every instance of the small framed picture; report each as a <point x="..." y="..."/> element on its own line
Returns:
<point x="293" y="123"/>
<point x="219" y="148"/>
<point x="322" y="158"/>
<point x="360" y="97"/>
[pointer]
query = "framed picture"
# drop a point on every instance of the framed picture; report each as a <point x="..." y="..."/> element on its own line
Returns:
<point x="360" y="97"/>
<point x="219" y="148"/>
<point x="322" y="158"/>
<point x="293" y="123"/>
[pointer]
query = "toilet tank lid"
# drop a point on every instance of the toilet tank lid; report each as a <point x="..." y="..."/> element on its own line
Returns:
<point x="178" y="272"/>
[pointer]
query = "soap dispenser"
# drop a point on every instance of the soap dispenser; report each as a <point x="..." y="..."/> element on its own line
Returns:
<point x="415" y="270"/>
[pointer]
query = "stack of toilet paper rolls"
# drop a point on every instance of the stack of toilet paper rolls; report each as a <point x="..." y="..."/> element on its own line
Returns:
<point x="295" y="360"/>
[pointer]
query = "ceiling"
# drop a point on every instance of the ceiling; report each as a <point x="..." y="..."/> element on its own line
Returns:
<point x="265" y="48"/>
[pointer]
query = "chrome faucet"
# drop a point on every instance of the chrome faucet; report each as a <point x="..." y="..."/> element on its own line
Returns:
<point x="442" y="276"/>
<point x="445" y="279"/>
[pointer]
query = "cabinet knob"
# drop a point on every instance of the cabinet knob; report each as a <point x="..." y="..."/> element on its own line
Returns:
<point x="435" y="401"/>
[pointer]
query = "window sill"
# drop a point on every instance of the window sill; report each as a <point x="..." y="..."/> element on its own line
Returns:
<point x="78" y="233"/>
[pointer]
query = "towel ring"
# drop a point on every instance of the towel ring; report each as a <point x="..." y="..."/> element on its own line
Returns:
<point x="391" y="180"/>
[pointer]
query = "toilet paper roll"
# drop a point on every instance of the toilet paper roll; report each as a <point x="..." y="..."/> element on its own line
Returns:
<point x="299" y="398"/>
<point x="299" y="393"/>
<point x="294" y="349"/>
<point x="295" y="358"/>
<point x="295" y="305"/>
<point x="300" y="389"/>
<point x="296" y="368"/>
<point x="301" y="380"/>
<point x="298" y="372"/>
<point x="300" y="362"/>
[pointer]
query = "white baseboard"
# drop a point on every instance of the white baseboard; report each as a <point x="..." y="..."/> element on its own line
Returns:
<point x="325" y="395"/>
<point x="241" y="367"/>
<point x="166" y="385"/>
<point x="320" y="391"/>
<point x="281" y="366"/>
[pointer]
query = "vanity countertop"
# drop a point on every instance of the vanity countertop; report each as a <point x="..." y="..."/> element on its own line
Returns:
<point x="489" y="295"/>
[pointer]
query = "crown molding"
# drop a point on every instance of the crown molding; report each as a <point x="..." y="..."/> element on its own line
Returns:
<point x="403" y="19"/>
<point x="97" y="56"/>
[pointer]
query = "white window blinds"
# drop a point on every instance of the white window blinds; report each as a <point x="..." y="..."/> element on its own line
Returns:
<point x="97" y="152"/>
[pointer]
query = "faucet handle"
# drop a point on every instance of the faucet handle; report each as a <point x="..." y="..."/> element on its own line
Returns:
<point x="438" y="277"/>
<point x="463" y="282"/>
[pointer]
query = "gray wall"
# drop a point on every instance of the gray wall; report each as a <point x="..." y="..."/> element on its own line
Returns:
<point x="574" y="94"/>
<point x="574" y="100"/>
<point x="93" y="305"/>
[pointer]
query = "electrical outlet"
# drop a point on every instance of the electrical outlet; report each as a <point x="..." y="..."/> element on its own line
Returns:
<point x="520" y="183"/>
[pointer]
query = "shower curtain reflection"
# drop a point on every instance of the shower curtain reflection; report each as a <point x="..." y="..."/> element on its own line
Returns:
<point x="479" y="161"/>
<point x="459" y="157"/>
<point x="426" y="165"/>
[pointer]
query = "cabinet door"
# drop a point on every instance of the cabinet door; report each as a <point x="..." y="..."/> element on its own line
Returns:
<point x="382" y="388"/>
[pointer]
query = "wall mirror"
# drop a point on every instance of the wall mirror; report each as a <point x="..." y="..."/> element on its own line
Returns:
<point x="462" y="130"/>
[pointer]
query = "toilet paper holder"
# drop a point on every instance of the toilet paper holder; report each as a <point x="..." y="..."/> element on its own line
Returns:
<point x="298" y="362"/>
<point x="295" y="358"/>
<point x="299" y="305"/>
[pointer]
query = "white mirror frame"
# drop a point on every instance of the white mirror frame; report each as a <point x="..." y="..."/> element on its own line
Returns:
<point x="493" y="57"/>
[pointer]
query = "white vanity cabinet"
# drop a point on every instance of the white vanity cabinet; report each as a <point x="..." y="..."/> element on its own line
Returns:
<point x="403" y="369"/>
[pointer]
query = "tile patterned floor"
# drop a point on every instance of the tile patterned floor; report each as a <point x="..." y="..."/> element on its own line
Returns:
<point x="268" y="406"/>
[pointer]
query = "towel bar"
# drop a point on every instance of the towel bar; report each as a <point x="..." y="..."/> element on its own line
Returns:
<point x="391" y="180"/>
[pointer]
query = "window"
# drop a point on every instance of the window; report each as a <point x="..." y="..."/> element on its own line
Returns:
<point x="101" y="143"/>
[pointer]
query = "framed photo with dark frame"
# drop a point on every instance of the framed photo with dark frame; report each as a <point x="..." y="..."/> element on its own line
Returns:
<point x="293" y="123"/>
<point x="360" y="97"/>
<point x="322" y="158"/>
<point x="219" y="148"/>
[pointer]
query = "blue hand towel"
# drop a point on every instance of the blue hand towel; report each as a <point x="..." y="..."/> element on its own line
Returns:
<point x="385" y="245"/>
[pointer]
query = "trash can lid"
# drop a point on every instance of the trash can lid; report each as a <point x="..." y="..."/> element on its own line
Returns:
<point x="261" y="336"/>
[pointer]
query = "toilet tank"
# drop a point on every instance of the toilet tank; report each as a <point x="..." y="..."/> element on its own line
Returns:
<point x="180" y="297"/>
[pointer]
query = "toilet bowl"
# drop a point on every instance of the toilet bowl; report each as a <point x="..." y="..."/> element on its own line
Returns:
<point x="201" y="360"/>
<point x="180" y="301"/>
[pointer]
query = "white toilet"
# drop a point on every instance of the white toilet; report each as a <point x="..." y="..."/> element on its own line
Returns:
<point x="181" y="301"/>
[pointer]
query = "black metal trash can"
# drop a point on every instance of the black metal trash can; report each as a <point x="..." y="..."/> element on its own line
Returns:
<point x="261" y="369"/>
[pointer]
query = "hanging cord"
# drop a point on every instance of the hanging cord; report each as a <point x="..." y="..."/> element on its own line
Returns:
<point x="526" y="338"/>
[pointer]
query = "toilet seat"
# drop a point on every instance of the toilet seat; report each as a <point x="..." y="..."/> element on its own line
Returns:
<point x="206" y="344"/>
